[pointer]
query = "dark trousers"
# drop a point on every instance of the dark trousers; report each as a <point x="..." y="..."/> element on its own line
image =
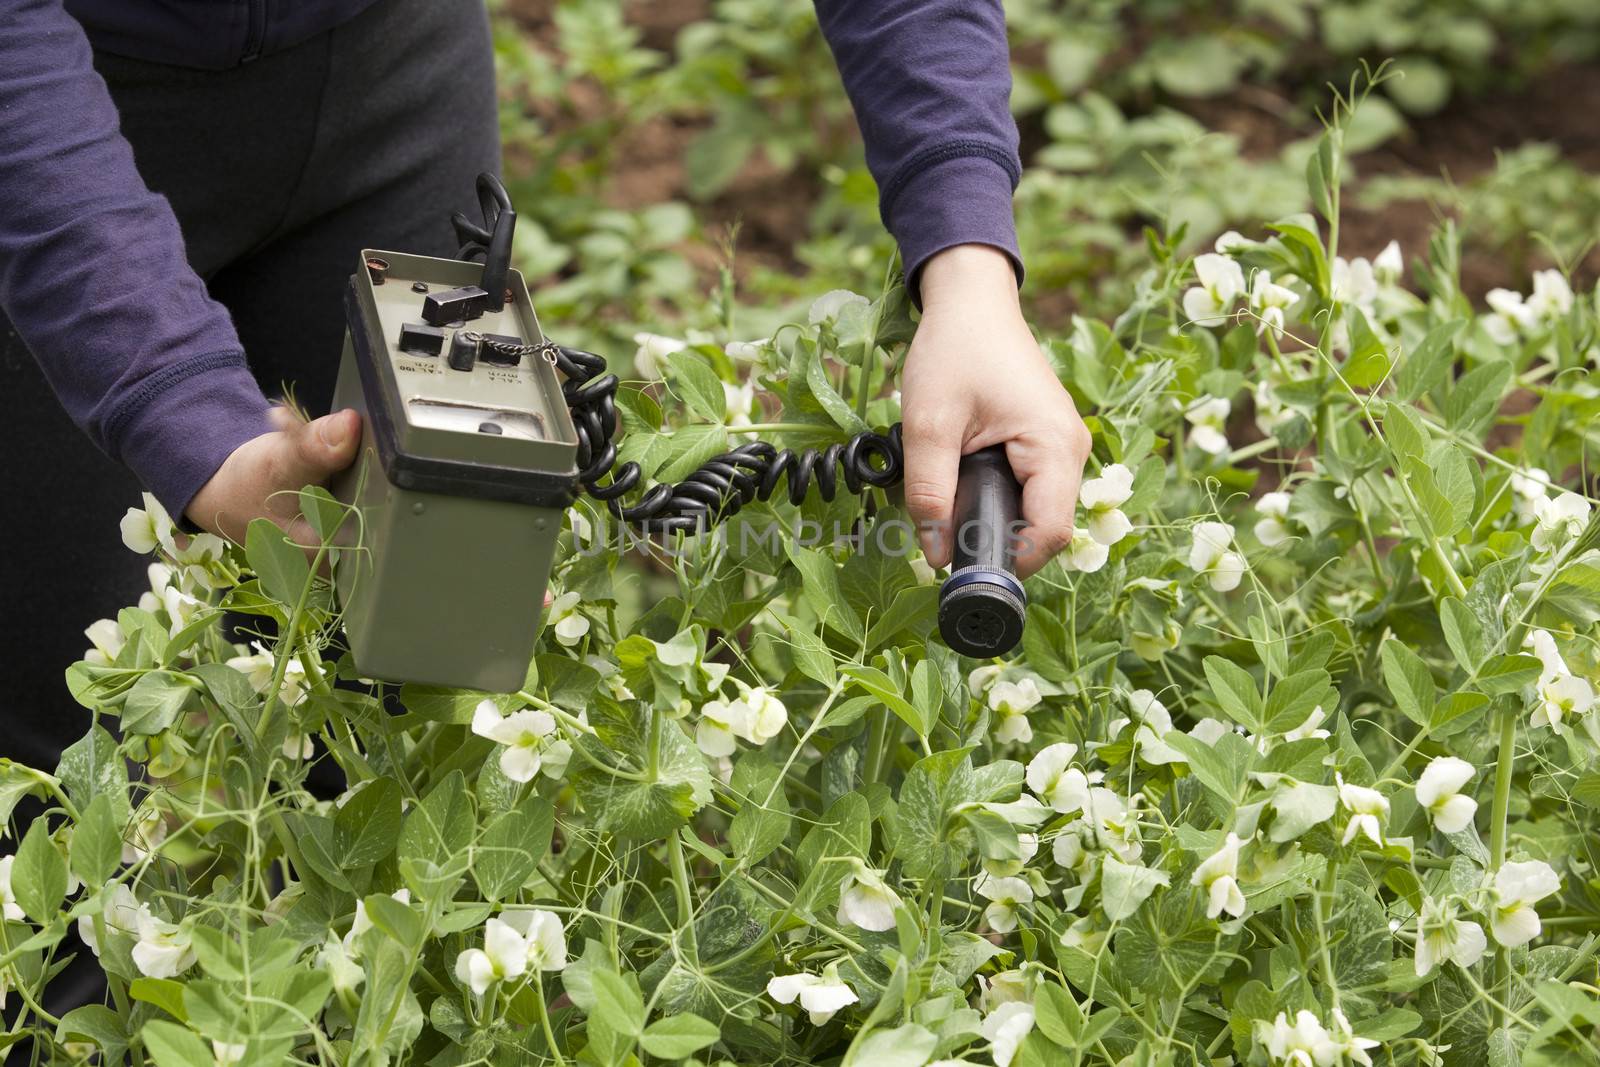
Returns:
<point x="280" y="172"/>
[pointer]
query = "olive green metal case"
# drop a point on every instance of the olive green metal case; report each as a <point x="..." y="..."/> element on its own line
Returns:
<point x="459" y="487"/>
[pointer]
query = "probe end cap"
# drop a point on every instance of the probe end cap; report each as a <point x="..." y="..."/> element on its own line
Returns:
<point x="981" y="619"/>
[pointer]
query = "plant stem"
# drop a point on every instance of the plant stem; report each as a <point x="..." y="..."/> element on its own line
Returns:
<point x="680" y="888"/>
<point x="1497" y="840"/>
<point x="544" y="1023"/>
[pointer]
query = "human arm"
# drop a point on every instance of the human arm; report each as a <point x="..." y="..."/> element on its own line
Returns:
<point x="930" y="83"/>
<point x="94" y="278"/>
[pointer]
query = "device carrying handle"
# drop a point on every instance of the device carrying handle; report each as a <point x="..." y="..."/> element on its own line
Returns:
<point x="493" y="238"/>
<point x="982" y="606"/>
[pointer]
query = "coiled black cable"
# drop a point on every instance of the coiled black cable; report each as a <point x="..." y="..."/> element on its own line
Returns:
<point x="723" y="484"/>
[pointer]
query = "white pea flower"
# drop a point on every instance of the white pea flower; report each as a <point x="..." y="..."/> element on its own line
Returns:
<point x="108" y="641"/>
<point x="739" y="402"/>
<point x="1551" y="297"/>
<point x="747" y="351"/>
<point x="503" y="957"/>
<point x="1558" y="521"/>
<point x="1006" y="987"/>
<point x="1211" y="555"/>
<point x="352" y="940"/>
<point x="1367" y="807"/>
<point x="1388" y="264"/>
<point x="1343" y="1044"/>
<point x="226" y="1053"/>
<point x="1293" y="1044"/>
<point x="1005" y="1028"/>
<point x="653" y="350"/>
<point x="260" y="666"/>
<point x="145" y="530"/>
<point x="569" y="624"/>
<point x="344" y="972"/>
<point x="1103" y="498"/>
<point x="297" y="746"/>
<point x="1011" y="702"/>
<point x="163" y="950"/>
<point x="1272" y="530"/>
<point x="1221" y="283"/>
<point x="1269" y="301"/>
<point x="1006" y="896"/>
<point x="1544" y="648"/>
<point x="160" y="576"/>
<point x="1208" y="421"/>
<point x="1233" y="242"/>
<point x="1055" y="781"/>
<point x="1310" y="728"/>
<point x="1561" y="697"/>
<point x="1084" y="554"/>
<point x="1218" y="875"/>
<point x="9" y="908"/>
<point x="1517" y="888"/>
<point x="181" y="608"/>
<point x="526" y="735"/>
<point x="543" y="935"/>
<point x="764" y="715"/>
<point x="1528" y="487"/>
<point x="981" y="678"/>
<point x="821" y="996"/>
<point x="1353" y="282"/>
<point x="1271" y="411"/>
<point x="827" y="308"/>
<point x="721" y="723"/>
<point x="1155" y="722"/>
<point x="865" y="900"/>
<point x="1439" y="793"/>
<point x="119" y="911"/>
<point x="1443" y="938"/>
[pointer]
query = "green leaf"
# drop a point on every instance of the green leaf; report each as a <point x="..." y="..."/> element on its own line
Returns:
<point x="366" y="828"/>
<point x="1236" y="692"/>
<point x="1221" y="767"/>
<point x="1463" y="633"/>
<point x="16" y="782"/>
<point x="1476" y="396"/>
<point x="678" y="1036"/>
<point x="904" y="1046"/>
<point x="810" y="654"/>
<point x="99" y="1024"/>
<point x="164" y="993"/>
<point x="932" y="789"/>
<point x="1125" y="886"/>
<point x="1509" y="674"/>
<point x="39" y="874"/>
<point x="698" y="384"/>
<point x="436" y="836"/>
<point x="820" y="587"/>
<point x="279" y="563"/>
<point x="764" y="815"/>
<point x="174" y="1046"/>
<point x="511" y="848"/>
<point x="1409" y="681"/>
<point x="640" y="809"/>
<point x="154" y="702"/>
<point x="1429" y="363"/>
<point x="96" y="843"/>
<point x="882" y="686"/>
<point x="92" y="765"/>
<point x="1058" y="1015"/>
<point x="618" y="1003"/>
<point x="842" y="414"/>
<point x="1294" y="699"/>
<point x="1298" y="806"/>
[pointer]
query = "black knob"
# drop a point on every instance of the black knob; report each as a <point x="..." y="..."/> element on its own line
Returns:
<point x="982" y="606"/>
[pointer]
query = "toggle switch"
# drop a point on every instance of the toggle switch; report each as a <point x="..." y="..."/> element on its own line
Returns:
<point x="453" y="305"/>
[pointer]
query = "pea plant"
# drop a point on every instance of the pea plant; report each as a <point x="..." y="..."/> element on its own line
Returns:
<point x="1295" y="765"/>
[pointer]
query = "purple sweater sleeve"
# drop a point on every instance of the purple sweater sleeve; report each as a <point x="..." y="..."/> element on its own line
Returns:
<point x="93" y="274"/>
<point x="930" y="81"/>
